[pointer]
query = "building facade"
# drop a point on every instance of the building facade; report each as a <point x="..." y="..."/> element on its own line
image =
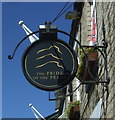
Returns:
<point x="95" y="26"/>
<point x="99" y="101"/>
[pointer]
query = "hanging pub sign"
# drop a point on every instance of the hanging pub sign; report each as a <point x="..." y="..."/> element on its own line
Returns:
<point x="49" y="64"/>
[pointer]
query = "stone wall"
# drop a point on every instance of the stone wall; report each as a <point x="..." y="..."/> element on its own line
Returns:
<point x="85" y="26"/>
<point x="101" y="94"/>
<point x="106" y="13"/>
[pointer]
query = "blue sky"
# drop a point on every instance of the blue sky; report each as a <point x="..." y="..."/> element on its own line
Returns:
<point x="0" y="60"/>
<point x="17" y="92"/>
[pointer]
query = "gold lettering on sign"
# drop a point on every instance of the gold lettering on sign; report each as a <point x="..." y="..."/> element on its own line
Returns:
<point x="54" y="77"/>
<point x="35" y="78"/>
<point x="54" y="73"/>
<point x="43" y="77"/>
<point x="40" y="73"/>
<point x="49" y="75"/>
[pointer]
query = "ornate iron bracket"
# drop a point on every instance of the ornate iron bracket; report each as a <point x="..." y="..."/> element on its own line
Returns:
<point x="102" y="52"/>
<point x="101" y="49"/>
<point x="12" y="56"/>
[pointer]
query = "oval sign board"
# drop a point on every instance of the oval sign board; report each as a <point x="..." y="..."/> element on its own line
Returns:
<point x="49" y="65"/>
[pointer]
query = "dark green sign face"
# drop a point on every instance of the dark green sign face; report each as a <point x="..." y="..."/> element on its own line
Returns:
<point x="49" y="65"/>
